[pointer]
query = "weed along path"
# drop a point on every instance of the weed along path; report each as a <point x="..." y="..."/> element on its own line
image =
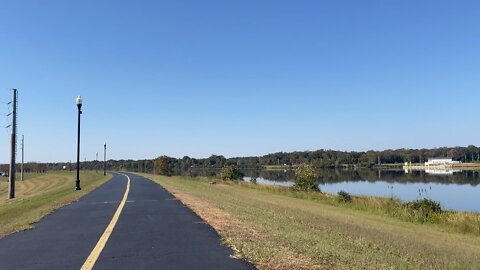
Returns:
<point x="127" y="223"/>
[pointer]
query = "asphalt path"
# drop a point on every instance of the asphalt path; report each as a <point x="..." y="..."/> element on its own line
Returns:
<point x="153" y="231"/>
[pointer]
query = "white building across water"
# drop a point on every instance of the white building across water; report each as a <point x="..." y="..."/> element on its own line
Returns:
<point x="433" y="166"/>
<point x="440" y="162"/>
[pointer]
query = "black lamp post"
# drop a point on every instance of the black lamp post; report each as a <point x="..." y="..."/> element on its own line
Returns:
<point x="105" y="159"/>
<point x="79" y="105"/>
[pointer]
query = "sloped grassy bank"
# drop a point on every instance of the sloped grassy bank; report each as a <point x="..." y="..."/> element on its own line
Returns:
<point x="277" y="228"/>
<point x="39" y="195"/>
<point x="422" y="211"/>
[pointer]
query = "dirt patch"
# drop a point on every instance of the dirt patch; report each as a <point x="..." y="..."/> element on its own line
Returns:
<point x="219" y="220"/>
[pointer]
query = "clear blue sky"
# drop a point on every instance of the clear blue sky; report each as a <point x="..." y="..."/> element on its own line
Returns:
<point x="239" y="78"/>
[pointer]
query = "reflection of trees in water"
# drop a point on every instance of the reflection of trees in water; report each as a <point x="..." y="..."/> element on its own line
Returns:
<point x="341" y="175"/>
<point x="199" y="172"/>
<point x="465" y="177"/>
<point x="281" y="176"/>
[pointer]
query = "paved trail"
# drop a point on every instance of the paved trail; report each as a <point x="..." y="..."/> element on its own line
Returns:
<point x="115" y="227"/>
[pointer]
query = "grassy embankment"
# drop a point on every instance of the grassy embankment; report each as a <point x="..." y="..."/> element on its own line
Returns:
<point x="40" y="194"/>
<point x="276" y="228"/>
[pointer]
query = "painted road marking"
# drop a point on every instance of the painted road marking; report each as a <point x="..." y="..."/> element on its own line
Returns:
<point x="111" y="202"/>
<point x="92" y="259"/>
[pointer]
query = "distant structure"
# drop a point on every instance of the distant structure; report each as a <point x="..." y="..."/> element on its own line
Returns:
<point x="440" y="162"/>
<point x="433" y="165"/>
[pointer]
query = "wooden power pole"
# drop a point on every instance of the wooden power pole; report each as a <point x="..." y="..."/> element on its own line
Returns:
<point x="23" y="158"/>
<point x="13" y="148"/>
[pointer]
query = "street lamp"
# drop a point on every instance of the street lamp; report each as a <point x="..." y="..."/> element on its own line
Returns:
<point x="105" y="159"/>
<point x="79" y="105"/>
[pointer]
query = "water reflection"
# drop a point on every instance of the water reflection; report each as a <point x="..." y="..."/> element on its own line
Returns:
<point x="455" y="190"/>
<point x="392" y="176"/>
<point x="329" y="176"/>
<point x="460" y="197"/>
<point x="263" y="181"/>
<point x="441" y="172"/>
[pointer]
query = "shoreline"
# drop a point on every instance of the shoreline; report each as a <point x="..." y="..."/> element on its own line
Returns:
<point x="277" y="228"/>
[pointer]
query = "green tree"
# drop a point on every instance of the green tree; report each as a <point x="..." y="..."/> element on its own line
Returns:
<point x="162" y="166"/>
<point x="231" y="173"/>
<point x="305" y="178"/>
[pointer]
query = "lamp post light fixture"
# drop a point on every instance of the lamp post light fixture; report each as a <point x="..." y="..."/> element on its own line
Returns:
<point x="79" y="101"/>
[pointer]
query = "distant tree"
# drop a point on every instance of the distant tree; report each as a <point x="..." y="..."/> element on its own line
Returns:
<point x="162" y="166"/>
<point x="231" y="173"/>
<point x="215" y="161"/>
<point x="187" y="163"/>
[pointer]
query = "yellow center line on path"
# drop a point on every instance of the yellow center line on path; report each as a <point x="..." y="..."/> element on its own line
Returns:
<point x="92" y="259"/>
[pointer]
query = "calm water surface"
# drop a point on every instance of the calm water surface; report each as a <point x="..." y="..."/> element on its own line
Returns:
<point x="458" y="190"/>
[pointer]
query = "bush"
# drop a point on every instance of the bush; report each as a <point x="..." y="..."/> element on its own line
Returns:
<point x="305" y="178"/>
<point x="253" y="180"/>
<point x="425" y="205"/>
<point x="424" y="210"/>
<point x="231" y="173"/>
<point x="344" y="197"/>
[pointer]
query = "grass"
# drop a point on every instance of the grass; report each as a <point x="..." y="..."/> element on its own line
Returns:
<point x="276" y="228"/>
<point x="452" y="221"/>
<point x="39" y="195"/>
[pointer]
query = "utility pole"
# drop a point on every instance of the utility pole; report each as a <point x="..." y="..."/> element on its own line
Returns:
<point x="13" y="141"/>
<point x="105" y="159"/>
<point x="96" y="163"/>
<point x="23" y="153"/>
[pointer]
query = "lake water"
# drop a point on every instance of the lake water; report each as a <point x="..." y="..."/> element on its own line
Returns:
<point x="455" y="190"/>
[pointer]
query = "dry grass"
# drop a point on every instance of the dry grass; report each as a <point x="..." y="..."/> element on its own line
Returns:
<point x="279" y="231"/>
<point x="449" y="220"/>
<point x="227" y="224"/>
<point x="40" y="194"/>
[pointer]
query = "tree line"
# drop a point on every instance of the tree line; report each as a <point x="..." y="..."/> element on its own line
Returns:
<point x="318" y="159"/>
<point x="332" y="159"/>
